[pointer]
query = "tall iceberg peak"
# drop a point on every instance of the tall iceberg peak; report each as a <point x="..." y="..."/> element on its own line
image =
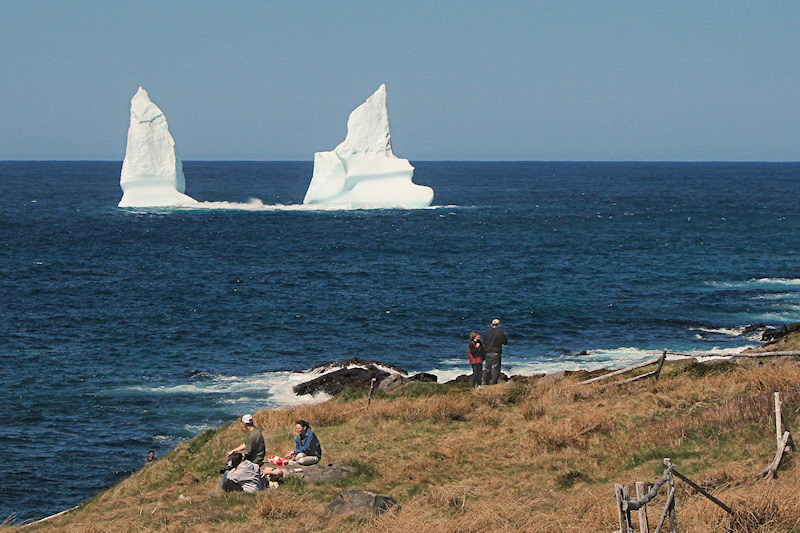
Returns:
<point x="362" y="171"/>
<point x="152" y="173"/>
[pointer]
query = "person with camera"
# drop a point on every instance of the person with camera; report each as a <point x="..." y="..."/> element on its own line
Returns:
<point x="307" y="449"/>
<point x="476" y="355"/>
<point x="253" y="447"/>
<point x="240" y="475"/>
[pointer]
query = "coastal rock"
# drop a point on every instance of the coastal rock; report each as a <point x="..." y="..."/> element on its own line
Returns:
<point x="424" y="377"/>
<point x="335" y="382"/>
<point x="360" y="503"/>
<point x="754" y="328"/>
<point x="395" y="381"/>
<point x="774" y="334"/>
<point x="319" y="473"/>
<point x="355" y="361"/>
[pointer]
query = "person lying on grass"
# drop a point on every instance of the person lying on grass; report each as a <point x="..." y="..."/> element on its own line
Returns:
<point x="307" y="449"/>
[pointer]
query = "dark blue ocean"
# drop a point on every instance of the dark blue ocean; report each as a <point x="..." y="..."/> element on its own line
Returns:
<point x="123" y="330"/>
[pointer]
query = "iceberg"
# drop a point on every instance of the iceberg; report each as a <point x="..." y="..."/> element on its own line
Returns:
<point x="362" y="171"/>
<point x="152" y="174"/>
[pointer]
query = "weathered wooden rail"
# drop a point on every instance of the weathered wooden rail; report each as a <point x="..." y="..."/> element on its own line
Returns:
<point x="655" y="373"/>
<point x="783" y="438"/>
<point x="625" y="505"/>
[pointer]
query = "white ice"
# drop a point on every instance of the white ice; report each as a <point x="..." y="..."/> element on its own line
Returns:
<point x="362" y="171"/>
<point x="152" y="173"/>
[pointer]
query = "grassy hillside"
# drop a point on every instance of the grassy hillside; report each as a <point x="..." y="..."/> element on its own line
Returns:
<point x="529" y="455"/>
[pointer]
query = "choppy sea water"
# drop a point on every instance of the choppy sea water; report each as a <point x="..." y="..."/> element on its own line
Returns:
<point x="125" y="330"/>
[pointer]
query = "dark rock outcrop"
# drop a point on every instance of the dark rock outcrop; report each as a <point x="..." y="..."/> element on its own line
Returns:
<point x="360" y="503"/>
<point x="335" y="382"/>
<point x="355" y="361"/>
<point x="424" y="377"/>
<point x="775" y="334"/>
<point x="339" y="376"/>
<point x="753" y="328"/>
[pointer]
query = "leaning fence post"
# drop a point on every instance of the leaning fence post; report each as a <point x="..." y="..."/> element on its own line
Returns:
<point x="673" y="518"/>
<point x="667" y="508"/>
<point x="780" y="418"/>
<point x="369" y="398"/>
<point x="643" y="525"/>
<point x="778" y="421"/>
<point x="623" y="515"/>
<point x="660" y="364"/>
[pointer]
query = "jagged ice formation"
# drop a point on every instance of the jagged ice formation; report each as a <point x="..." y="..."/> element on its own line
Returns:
<point x="152" y="173"/>
<point x="362" y="171"/>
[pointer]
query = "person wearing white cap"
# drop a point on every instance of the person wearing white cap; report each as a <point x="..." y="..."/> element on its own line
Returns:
<point x="253" y="447"/>
<point x="493" y="340"/>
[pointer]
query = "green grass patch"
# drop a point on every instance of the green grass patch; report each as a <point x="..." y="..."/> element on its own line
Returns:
<point x="351" y="394"/>
<point x="570" y="478"/>
<point x="416" y="389"/>
<point x="700" y="369"/>
<point x="196" y="444"/>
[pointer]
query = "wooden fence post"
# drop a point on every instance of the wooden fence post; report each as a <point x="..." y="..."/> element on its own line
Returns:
<point x="778" y="420"/>
<point x="369" y="398"/>
<point x="643" y="525"/>
<point x="673" y="518"/>
<point x="623" y="515"/>
<point x="667" y="509"/>
<point x="661" y="363"/>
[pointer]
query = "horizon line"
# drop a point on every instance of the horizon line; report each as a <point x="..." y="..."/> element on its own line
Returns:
<point x="781" y="161"/>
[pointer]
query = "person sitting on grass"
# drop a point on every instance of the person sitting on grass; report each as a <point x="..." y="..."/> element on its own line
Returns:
<point x="307" y="449"/>
<point x="240" y="475"/>
<point x="253" y="447"/>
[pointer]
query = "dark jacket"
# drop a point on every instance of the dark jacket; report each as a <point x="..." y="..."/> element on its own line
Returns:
<point x="476" y="352"/>
<point x="494" y="339"/>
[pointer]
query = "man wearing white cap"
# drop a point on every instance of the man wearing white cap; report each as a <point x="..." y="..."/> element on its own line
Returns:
<point x="493" y="341"/>
<point x="253" y="447"/>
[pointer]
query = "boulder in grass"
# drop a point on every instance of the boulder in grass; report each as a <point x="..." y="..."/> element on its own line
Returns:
<point x="319" y="473"/>
<point x="360" y="503"/>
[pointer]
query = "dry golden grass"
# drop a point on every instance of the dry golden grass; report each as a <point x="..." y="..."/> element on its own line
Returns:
<point x="531" y="455"/>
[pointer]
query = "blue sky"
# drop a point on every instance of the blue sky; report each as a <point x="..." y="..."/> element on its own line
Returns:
<point x="651" y="81"/>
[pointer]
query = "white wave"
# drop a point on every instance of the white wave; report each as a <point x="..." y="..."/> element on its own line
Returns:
<point x="169" y="441"/>
<point x="789" y="316"/>
<point x="596" y="359"/>
<point x="776" y="296"/>
<point x="731" y="332"/>
<point x="790" y="282"/>
<point x="255" y="204"/>
<point x="272" y="388"/>
<point x="543" y="364"/>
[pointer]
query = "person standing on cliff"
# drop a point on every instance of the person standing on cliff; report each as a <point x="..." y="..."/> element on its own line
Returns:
<point x="253" y="447"/>
<point x="493" y="340"/>
<point x="476" y="354"/>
